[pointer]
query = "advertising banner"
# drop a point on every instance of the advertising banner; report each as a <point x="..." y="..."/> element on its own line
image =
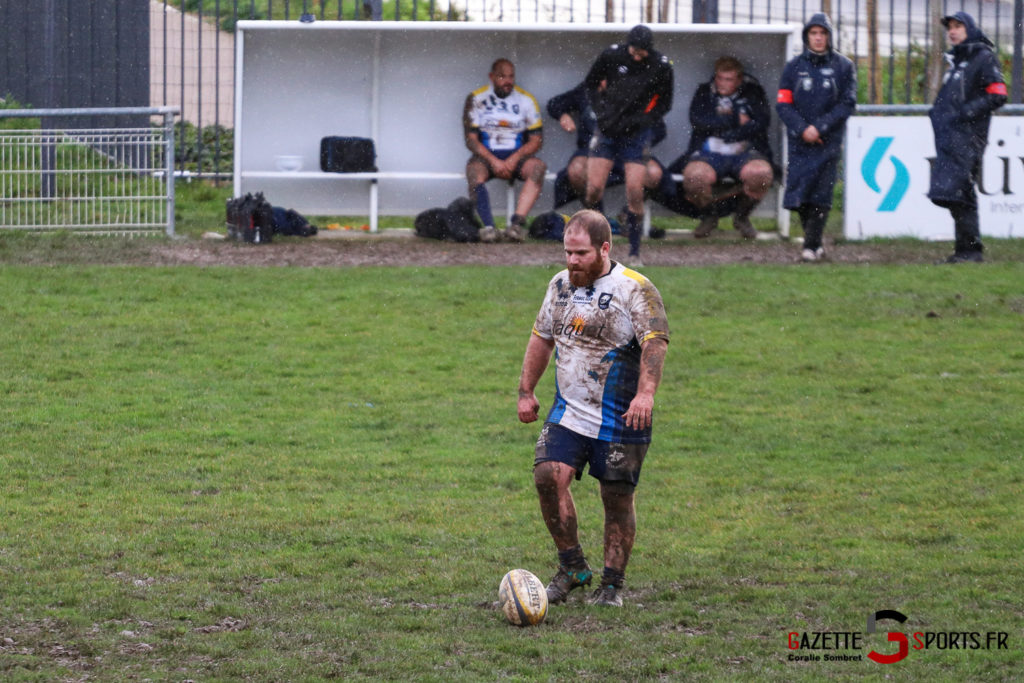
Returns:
<point x="887" y="171"/>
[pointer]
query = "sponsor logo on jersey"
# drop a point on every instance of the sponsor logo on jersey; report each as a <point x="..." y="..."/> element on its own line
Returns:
<point x="577" y="327"/>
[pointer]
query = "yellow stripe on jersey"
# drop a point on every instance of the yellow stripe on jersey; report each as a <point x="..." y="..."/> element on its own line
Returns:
<point x="536" y="106"/>
<point x="633" y="275"/>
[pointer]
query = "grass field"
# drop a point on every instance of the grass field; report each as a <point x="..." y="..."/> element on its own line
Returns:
<point x="288" y="474"/>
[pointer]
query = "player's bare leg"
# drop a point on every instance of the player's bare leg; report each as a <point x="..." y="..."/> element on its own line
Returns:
<point x="577" y="172"/>
<point x="756" y="177"/>
<point x="597" y="177"/>
<point x="635" y="174"/>
<point x="552" y="480"/>
<point x="698" y="180"/>
<point x="532" y="173"/>
<point x="619" y="534"/>
<point x="619" y="523"/>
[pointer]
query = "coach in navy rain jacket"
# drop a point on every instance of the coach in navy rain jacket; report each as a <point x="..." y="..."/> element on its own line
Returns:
<point x="972" y="89"/>
<point x="817" y="94"/>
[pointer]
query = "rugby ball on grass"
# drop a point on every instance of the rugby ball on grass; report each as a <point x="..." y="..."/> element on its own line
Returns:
<point x="523" y="598"/>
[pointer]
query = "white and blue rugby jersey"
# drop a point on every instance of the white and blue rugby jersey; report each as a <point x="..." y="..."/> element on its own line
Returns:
<point x="598" y="332"/>
<point x="503" y="123"/>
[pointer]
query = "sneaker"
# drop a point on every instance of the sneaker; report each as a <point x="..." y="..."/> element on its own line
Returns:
<point x="567" y="580"/>
<point x="966" y="257"/>
<point x="809" y="255"/>
<point x="489" y="235"/>
<point x="514" y="233"/>
<point x="819" y="253"/>
<point x="745" y="227"/>
<point x="633" y="261"/>
<point x="607" y="596"/>
<point x="706" y="227"/>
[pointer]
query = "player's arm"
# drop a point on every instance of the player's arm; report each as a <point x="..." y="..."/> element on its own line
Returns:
<point x="472" y="135"/>
<point x="538" y="355"/>
<point x="534" y="141"/>
<point x="652" y="361"/>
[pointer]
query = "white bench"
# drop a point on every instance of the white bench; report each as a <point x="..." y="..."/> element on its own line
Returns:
<point x="373" y="178"/>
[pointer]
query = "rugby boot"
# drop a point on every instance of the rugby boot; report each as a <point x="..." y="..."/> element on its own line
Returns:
<point x="741" y="219"/>
<point x="567" y="580"/>
<point x="706" y="227"/>
<point x="607" y="596"/>
<point x="514" y="233"/>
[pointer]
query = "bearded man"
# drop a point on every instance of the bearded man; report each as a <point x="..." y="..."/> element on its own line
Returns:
<point x="609" y="325"/>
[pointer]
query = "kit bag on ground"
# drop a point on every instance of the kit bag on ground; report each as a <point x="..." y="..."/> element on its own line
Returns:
<point x="347" y="155"/>
<point x="291" y="222"/>
<point x="549" y="226"/>
<point x="455" y="223"/>
<point x="250" y="219"/>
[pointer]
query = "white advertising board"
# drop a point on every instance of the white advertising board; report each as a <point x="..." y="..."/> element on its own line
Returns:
<point x="887" y="173"/>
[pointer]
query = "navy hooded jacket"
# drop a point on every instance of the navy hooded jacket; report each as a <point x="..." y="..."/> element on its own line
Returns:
<point x="972" y="89"/>
<point x="817" y="90"/>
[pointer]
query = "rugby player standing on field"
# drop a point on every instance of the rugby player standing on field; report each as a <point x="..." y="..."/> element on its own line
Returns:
<point x="609" y="326"/>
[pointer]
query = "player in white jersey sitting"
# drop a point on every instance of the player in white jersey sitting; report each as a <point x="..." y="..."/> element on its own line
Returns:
<point x="609" y="327"/>
<point x="502" y="124"/>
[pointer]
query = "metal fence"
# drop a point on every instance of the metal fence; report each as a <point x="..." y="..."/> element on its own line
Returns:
<point x="192" y="53"/>
<point x="54" y="175"/>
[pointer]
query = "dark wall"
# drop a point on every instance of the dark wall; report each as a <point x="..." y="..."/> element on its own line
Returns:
<point x="75" y="53"/>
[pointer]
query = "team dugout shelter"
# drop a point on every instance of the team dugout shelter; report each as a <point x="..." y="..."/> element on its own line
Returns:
<point x="404" y="84"/>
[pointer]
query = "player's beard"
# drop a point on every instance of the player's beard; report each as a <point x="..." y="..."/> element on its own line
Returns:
<point x="586" y="277"/>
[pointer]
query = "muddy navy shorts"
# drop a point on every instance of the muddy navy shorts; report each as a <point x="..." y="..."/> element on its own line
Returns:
<point x="608" y="461"/>
<point x="635" y="148"/>
<point x="727" y="165"/>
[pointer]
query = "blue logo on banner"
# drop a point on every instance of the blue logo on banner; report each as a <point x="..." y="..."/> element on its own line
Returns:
<point x="869" y="167"/>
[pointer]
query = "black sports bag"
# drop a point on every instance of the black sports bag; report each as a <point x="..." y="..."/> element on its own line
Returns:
<point x="347" y="155"/>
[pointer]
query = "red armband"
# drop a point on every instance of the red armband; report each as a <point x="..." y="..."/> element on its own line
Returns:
<point x="785" y="97"/>
<point x="650" y="105"/>
<point x="996" y="89"/>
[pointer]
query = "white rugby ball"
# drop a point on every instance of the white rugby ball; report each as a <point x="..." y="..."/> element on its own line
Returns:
<point x="523" y="598"/>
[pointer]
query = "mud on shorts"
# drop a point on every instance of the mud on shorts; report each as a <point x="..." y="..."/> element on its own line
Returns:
<point x="608" y="461"/>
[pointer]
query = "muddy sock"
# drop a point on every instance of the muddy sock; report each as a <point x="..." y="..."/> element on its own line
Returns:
<point x="613" y="577"/>
<point x="572" y="558"/>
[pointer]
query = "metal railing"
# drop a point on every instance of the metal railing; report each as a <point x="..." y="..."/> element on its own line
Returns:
<point x="192" y="65"/>
<point x="90" y="177"/>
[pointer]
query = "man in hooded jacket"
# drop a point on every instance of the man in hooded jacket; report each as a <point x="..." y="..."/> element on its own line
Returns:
<point x="972" y="89"/>
<point x="817" y="94"/>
